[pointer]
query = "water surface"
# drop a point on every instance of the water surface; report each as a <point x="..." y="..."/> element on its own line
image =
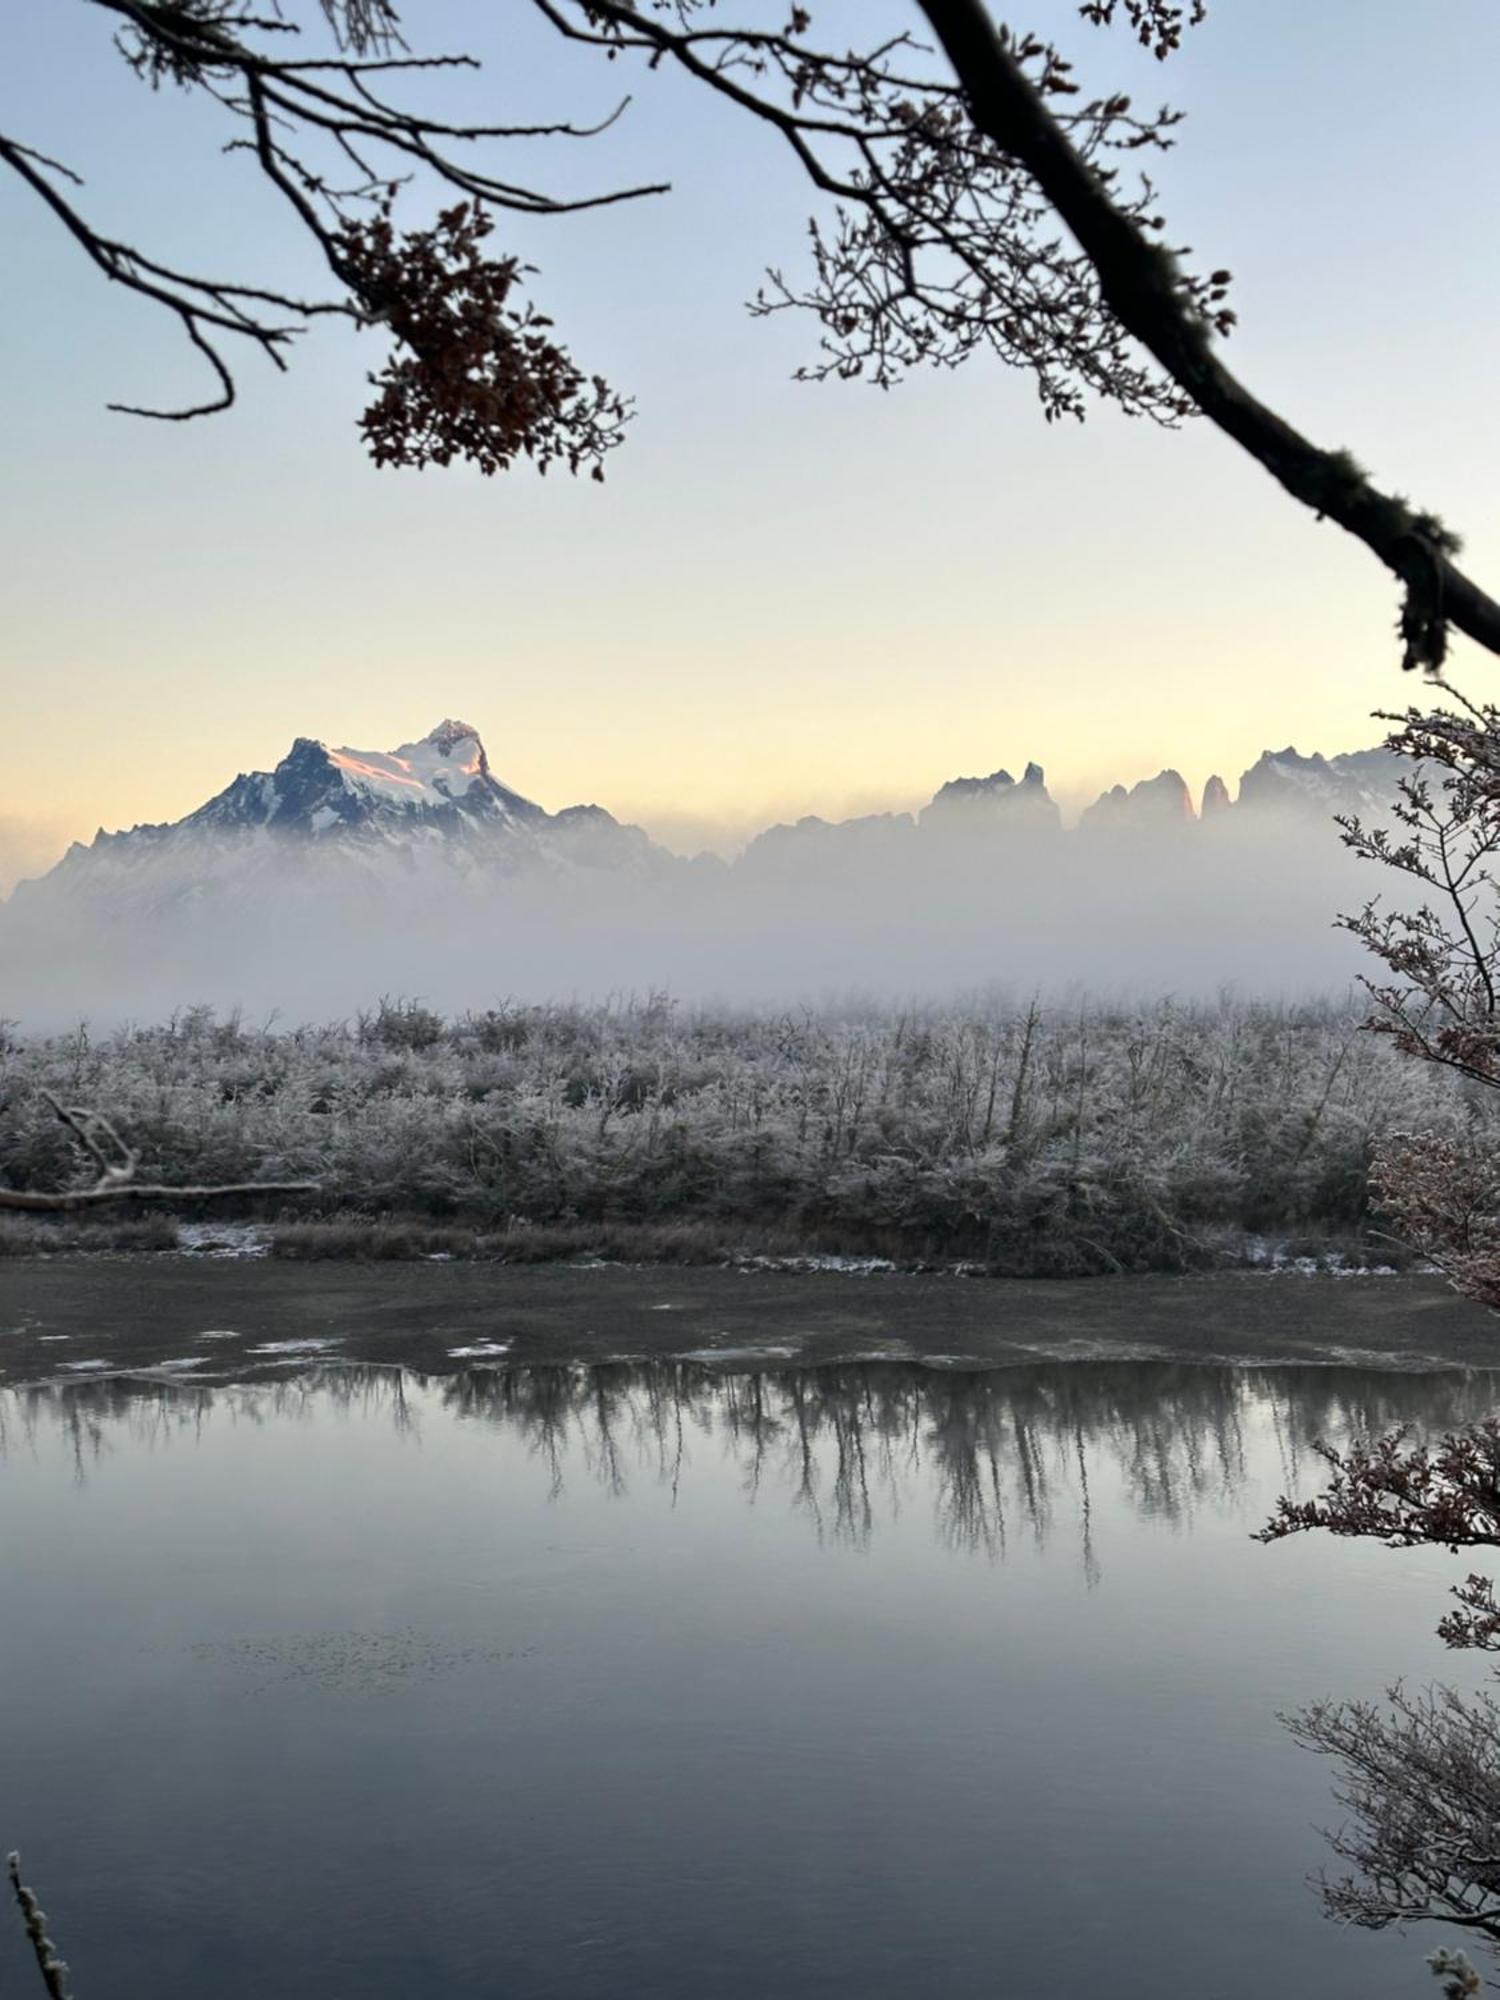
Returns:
<point x="663" y="1680"/>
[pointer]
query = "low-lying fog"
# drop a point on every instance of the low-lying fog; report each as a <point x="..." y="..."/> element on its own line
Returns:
<point x="1248" y="904"/>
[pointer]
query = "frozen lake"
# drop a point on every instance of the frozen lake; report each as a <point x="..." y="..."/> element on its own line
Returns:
<point x="661" y="1679"/>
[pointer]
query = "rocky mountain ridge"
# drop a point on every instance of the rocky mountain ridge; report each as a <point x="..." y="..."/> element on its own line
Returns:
<point x="437" y="796"/>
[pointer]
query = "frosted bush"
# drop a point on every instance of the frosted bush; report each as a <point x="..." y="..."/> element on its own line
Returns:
<point x="1095" y="1138"/>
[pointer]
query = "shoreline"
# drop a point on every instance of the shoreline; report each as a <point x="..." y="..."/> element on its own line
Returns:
<point x="212" y="1319"/>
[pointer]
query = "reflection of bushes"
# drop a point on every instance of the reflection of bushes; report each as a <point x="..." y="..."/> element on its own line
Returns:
<point x="1107" y="1139"/>
<point x="1002" y="1450"/>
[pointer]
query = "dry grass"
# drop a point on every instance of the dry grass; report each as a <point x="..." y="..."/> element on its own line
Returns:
<point x="394" y="1239"/>
<point x="66" y="1236"/>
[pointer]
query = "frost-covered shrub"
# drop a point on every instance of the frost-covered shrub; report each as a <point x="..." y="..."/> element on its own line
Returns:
<point x="1095" y="1138"/>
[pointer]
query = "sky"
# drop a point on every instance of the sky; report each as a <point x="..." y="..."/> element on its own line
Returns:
<point x="785" y="598"/>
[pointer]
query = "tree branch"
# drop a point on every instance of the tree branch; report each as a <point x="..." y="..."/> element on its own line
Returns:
<point x="1139" y="285"/>
<point x="480" y="379"/>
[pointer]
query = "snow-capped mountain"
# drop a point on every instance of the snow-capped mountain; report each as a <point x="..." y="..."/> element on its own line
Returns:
<point x="346" y="809"/>
<point x="443" y="782"/>
<point x="1362" y="782"/>
<point x="339" y="812"/>
<point x="344" y="873"/>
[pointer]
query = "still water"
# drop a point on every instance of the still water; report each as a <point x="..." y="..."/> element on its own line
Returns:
<point x="558" y="1683"/>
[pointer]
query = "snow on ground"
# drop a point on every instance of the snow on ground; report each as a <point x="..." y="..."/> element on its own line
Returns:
<point x="1272" y="1257"/>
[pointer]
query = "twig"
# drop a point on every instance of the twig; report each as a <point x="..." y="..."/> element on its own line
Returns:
<point x="54" y="1969"/>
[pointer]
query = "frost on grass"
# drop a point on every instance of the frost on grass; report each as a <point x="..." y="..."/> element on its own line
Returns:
<point x="1016" y="1139"/>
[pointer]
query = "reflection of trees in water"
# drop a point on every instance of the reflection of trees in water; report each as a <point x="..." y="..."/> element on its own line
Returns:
<point x="149" y="1412"/>
<point x="1001" y="1448"/>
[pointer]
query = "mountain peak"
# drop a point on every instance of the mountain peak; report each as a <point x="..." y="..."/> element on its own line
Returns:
<point x="969" y="800"/>
<point x="450" y="734"/>
<point x="1162" y="801"/>
<point x="442" y="767"/>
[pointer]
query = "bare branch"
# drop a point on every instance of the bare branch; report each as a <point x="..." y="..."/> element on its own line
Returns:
<point x="941" y="245"/>
<point x="1421" y="1785"/>
<point x="115" y="1163"/>
<point x="1142" y="290"/>
<point x="296" y="110"/>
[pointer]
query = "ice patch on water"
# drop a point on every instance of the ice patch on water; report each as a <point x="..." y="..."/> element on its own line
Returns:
<point x="223" y="1239"/>
<point x="741" y="1354"/>
<point x="295" y="1346"/>
<point x="83" y="1367"/>
<point x="1402" y="1361"/>
<point x="218" y="1333"/>
<point x="1084" y="1348"/>
<point x="480" y="1350"/>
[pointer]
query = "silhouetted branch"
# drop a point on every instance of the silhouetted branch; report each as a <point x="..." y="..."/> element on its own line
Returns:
<point x="948" y="186"/>
<point x="480" y="378"/>
<point x="942" y="244"/>
<point x="1447" y="1494"/>
<point x="1141" y="287"/>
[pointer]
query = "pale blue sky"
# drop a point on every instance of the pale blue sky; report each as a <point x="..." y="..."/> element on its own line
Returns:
<point x="785" y="598"/>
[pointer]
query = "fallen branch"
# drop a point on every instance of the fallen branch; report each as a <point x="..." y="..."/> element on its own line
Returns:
<point x="63" y="1204"/>
<point x="117" y="1165"/>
